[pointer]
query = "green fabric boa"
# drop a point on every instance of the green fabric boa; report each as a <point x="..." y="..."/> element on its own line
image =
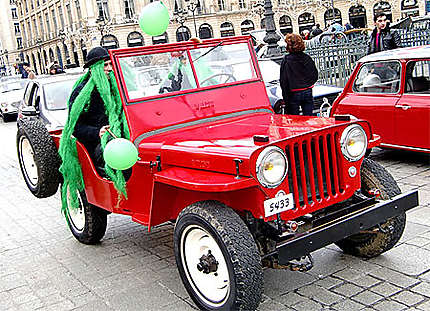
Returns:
<point x="70" y="167"/>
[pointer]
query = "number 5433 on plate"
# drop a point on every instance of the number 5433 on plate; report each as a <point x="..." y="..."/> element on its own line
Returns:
<point x="278" y="204"/>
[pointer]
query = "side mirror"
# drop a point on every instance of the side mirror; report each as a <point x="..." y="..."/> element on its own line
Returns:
<point x="29" y="111"/>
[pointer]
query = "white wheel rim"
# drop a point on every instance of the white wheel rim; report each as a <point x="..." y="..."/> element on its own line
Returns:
<point x="213" y="288"/>
<point x="27" y="161"/>
<point x="76" y="216"/>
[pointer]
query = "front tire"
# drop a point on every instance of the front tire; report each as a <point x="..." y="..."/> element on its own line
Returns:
<point x="38" y="158"/>
<point x="217" y="258"/>
<point x="369" y="245"/>
<point x="87" y="222"/>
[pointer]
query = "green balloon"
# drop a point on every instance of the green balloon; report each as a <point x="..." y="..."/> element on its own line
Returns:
<point x="120" y="154"/>
<point x="154" y="19"/>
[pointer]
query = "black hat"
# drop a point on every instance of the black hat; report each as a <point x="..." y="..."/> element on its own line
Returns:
<point x="96" y="54"/>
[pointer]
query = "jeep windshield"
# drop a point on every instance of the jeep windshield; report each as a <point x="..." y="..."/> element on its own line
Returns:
<point x="185" y="70"/>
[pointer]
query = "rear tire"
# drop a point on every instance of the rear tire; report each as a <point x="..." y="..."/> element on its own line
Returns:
<point x="217" y="258"/>
<point x="369" y="245"/>
<point x="38" y="158"/>
<point x="88" y="222"/>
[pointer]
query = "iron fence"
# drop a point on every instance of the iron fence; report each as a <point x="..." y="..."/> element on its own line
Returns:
<point x="335" y="55"/>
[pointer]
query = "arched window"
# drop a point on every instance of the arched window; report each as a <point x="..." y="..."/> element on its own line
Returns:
<point x="160" y="39"/>
<point x="409" y="8"/>
<point x="109" y="42"/>
<point x="205" y="31"/>
<point x="227" y="29"/>
<point x="332" y="15"/>
<point x="183" y="33"/>
<point x="306" y="21"/>
<point x="285" y="25"/>
<point x="357" y="16"/>
<point x="60" y="58"/>
<point x="135" y="38"/>
<point x="51" y="55"/>
<point x="383" y="7"/>
<point x="75" y="55"/>
<point x="246" y="27"/>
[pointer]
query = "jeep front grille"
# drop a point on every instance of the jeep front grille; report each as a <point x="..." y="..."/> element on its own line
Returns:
<point x="314" y="169"/>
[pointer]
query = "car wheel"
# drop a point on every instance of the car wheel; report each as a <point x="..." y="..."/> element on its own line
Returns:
<point x="217" y="258"/>
<point x="382" y="238"/>
<point x="38" y="158"/>
<point x="86" y="222"/>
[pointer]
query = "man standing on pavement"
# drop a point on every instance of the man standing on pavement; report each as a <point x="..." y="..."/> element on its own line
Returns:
<point x="382" y="37"/>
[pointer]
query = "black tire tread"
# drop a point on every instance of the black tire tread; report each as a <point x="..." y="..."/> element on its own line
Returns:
<point x="241" y="247"/>
<point x="374" y="175"/>
<point x="46" y="157"/>
<point x="95" y="223"/>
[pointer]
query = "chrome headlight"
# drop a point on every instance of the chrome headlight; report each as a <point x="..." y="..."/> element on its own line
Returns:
<point x="353" y="142"/>
<point x="271" y="167"/>
<point x="3" y="104"/>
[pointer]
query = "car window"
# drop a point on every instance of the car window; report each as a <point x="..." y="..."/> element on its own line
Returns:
<point x="57" y="94"/>
<point x="13" y="86"/>
<point x="35" y="99"/>
<point x="378" y="77"/>
<point x="417" y="77"/>
<point x="28" y="93"/>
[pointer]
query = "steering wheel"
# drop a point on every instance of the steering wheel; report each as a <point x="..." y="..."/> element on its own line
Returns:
<point x="228" y="75"/>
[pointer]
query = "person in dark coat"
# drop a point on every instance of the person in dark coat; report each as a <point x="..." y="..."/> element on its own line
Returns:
<point x="382" y="37"/>
<point x="93" y="122"/>
<point x="297" y="77"/>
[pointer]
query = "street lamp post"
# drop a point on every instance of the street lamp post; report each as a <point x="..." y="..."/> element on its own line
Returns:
<point x="180" y="17"/>
<point x="192" y="6"/>
<point x="271" y="37"/>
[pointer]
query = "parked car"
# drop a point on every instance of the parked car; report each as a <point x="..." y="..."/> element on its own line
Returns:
<point x="45" y="99"/>
<point x="322" y="93"/>
<point x="11" y="93"/>
<point x="247" y="188"/>
<point x="391" y="90"/>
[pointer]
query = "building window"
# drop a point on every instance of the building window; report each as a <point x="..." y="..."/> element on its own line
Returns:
<point x="109" y="42"/>
<point x="103" y="9"/>
<point x="24" y="35"/>
<point x="227" y="29"/>
<point x="332" y="14"/>
<point x="60" y="13"/>
<point x="160" y="39"/>
<point x="285" y="25"/>
<point x="26" y="6"/>
<point x="135" y="39"/>
<point x="409" y="8"/>
<point x="205" y="31"/>
<point x="221" y="5"/>
<point x="69" y="15"/>
<point x="19" y="43"/>
<point x="54" y="18"/>
<point x="48" y="25"/>
<point x="36" y="32"/>
<point x="183" y="34"/>
<point x="78" y="11"/>
<point x="357" y="16"/>
<point x="42" y="30"/>
<point x="306" y="21"/>
<point x="17" y="29"/>
<point x="129" y="8"/>
<point x="246" y="27"/>
<point x="14" y="13"/>
<point x="383" y="7"/>
<point x="242" y="4"/>
<point x="29" y="29"/>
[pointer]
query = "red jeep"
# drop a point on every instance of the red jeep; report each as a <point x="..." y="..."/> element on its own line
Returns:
<point x="247" y="189"/>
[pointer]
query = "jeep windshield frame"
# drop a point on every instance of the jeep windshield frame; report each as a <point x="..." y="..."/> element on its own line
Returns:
<point x="160" y="71"/>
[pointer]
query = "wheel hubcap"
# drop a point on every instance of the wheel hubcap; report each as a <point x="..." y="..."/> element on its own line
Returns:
<point x="205" y="266"/>
<point x="27" y="161"/>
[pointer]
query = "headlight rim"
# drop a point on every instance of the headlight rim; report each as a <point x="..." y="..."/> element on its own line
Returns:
<point x="346" y="132"/>
<point x="258" y="165"/>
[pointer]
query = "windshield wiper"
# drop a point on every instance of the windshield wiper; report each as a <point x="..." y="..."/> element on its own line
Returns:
<point x="208" y="51"/>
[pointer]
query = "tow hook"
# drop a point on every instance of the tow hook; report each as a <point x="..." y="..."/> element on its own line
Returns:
<point x="207" y="263"/>
<point x="296" y="265"/>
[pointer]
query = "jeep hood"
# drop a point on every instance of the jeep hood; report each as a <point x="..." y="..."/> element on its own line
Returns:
<point x="214" y="145"/>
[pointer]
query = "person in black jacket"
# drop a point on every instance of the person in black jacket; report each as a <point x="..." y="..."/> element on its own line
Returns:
<point x="93" y="121"/>
<point x="297" y="77"/>
<point x="382" y="37"/>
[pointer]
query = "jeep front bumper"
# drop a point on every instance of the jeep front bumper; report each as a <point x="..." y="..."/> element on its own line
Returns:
<point x="361" y="218"/>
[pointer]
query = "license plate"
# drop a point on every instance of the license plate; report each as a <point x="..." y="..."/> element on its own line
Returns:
<point x="279" y="204"/>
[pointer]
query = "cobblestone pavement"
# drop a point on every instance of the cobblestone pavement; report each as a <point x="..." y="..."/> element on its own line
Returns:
<point x="42" y="267"/>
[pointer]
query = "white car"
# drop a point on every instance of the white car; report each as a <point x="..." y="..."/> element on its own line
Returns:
<point x="11" y="94"/>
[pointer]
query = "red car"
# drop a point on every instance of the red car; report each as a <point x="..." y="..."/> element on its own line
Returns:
<point x="247" y="188"/>
<point x="391" y="90"/>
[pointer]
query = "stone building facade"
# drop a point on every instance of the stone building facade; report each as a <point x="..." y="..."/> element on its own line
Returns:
<point x="64" y="30"/>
